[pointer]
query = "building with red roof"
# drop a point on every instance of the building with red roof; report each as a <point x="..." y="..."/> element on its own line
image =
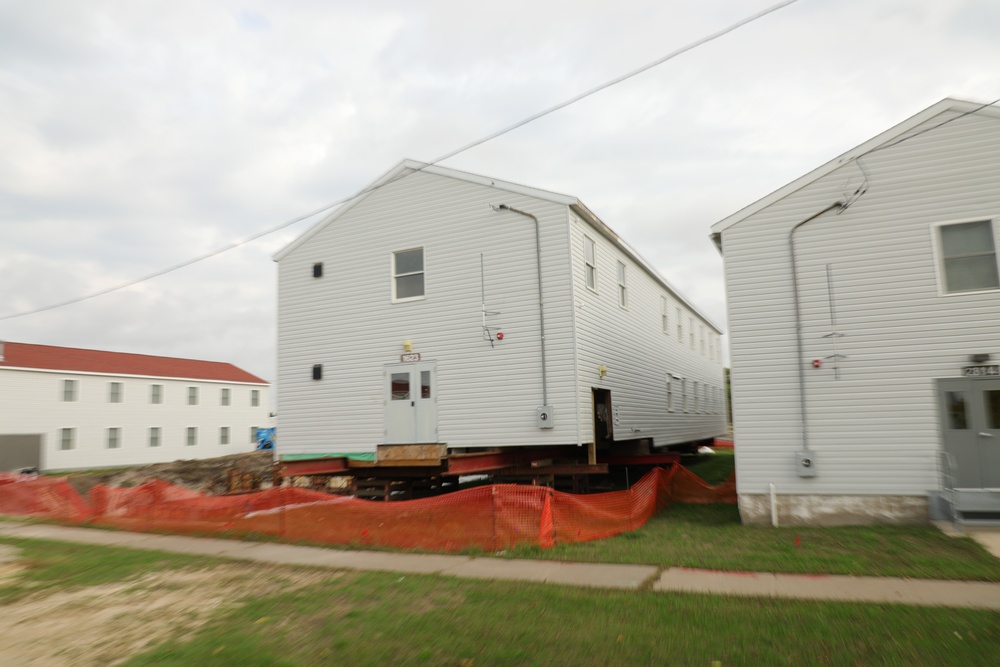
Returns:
<point x="65" y="408"/>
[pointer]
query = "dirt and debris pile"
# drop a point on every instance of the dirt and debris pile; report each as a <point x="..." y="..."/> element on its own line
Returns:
<point x="211" y="476"/>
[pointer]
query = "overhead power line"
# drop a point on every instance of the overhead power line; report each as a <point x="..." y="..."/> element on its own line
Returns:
<point x="510" y="128"/>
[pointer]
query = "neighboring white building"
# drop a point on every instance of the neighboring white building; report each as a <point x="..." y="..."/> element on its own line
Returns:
<point x="895" y="244"/>
<point x="414" y="314"/>
<point x="95" y="409"/>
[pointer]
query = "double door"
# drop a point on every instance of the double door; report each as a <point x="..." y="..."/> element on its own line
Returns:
<point x="410" y="403"/>
<point x="970" y="412"/>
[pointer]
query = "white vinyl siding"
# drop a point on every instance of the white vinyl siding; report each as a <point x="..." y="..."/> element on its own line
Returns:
<point x="469" y="249"/>
<point x="873" y="423"/>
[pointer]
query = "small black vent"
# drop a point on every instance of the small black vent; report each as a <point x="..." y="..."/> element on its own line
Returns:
<point x="318" y="372"/>
<point x="318" y="270"/>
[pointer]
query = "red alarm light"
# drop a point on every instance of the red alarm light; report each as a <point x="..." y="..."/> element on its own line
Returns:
<point x="499" y="335"/>
<point x="817" y="363"/>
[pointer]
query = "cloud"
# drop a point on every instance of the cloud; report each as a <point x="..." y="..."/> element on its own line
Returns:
<point x="134" y="136"/>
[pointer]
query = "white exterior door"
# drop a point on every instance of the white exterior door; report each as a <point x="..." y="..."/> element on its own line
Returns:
<point x="410" y="404"/>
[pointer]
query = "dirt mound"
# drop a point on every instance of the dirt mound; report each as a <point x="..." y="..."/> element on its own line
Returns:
<point x="202" y="475"/>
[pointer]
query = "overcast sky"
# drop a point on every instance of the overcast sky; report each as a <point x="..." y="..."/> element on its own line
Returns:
<point x="136" y="135"/>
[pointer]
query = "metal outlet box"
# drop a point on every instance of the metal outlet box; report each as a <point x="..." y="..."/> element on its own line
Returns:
<point x="543" y="417"/>
<point x="805" y="463"/>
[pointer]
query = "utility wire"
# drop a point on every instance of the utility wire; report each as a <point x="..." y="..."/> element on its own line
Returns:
<point x="863" y="188"/>
<point x="451" y="154"/>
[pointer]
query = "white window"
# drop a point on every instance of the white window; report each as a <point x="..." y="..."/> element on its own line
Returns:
<point x="224" y="435"/>
<point x="70" y="390"/>
<point x="680" y="327"/>
<point x="192" y="436"/>
<point x="254" y="398"/>
<point x="114" y="392"/>
<point x="156" y="394"/>
<point x="114" y="437"/>
<point x="67" y="438"/>
<point x="670" y="392"/>
<point x="408" y="274"/>
<point x="701" y="339"/>
<point x="253" y="434"/>
<point x="684" y="394"/>
<point x="622" y="289"/>
<point x="590" y="262"/>
<point x="968" y="257"/>
<point x="697" y="403"/>
<point x="192" y="395"/>
<point x="664" y="318"/>
<point x="691" y="331"/>
<point x="224" y="396"/>
<point x="154" y="436"/>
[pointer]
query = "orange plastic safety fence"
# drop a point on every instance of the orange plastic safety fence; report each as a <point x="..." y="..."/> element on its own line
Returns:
<point x="487" y="517"/>
<point x="46" y="497"/>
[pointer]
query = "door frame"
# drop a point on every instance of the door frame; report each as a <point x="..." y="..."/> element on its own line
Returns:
<point x="975" y="448"/>
<point x="422" y="416"/>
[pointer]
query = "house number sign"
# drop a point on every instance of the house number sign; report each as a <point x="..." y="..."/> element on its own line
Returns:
<point x="981" y="371"/>
<point x="409" y="357"/>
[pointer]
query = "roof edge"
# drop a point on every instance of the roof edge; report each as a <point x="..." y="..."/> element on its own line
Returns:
<point x="947" y="104"/>
<point x="405" y="168"/>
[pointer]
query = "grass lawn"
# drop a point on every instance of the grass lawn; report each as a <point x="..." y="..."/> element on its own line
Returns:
<point x="376" y="619"/>
<point x="383" y="618"/>
<point x="712" y="537"/>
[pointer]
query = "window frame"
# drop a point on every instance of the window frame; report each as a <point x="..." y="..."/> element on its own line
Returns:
<point x="622" y="285"/>
<point x="255" y="398"/>
<point x="116" y="396"/>
<point x="225" y="397"/>
<point x="665" y="315"/>
<point x="156" y="394"/>
<point x="74" y="393"/>
<point x="191" y="437"/>
<point x="939" y="256"/>
<point x="394" y="276"/>
<point x="192" y="395"/>
<point x="67" y="435"/>
<point x="117" y="440"/>
<point x="590" y="265"/>
<point x="225" y="436"/>
<point x="158" y="440"/>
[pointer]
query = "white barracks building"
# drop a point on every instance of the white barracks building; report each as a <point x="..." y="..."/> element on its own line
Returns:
<point x="67" y="408"/>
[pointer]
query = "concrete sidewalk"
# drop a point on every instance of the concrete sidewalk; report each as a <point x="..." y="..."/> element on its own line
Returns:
<point x="978" y="595"/>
